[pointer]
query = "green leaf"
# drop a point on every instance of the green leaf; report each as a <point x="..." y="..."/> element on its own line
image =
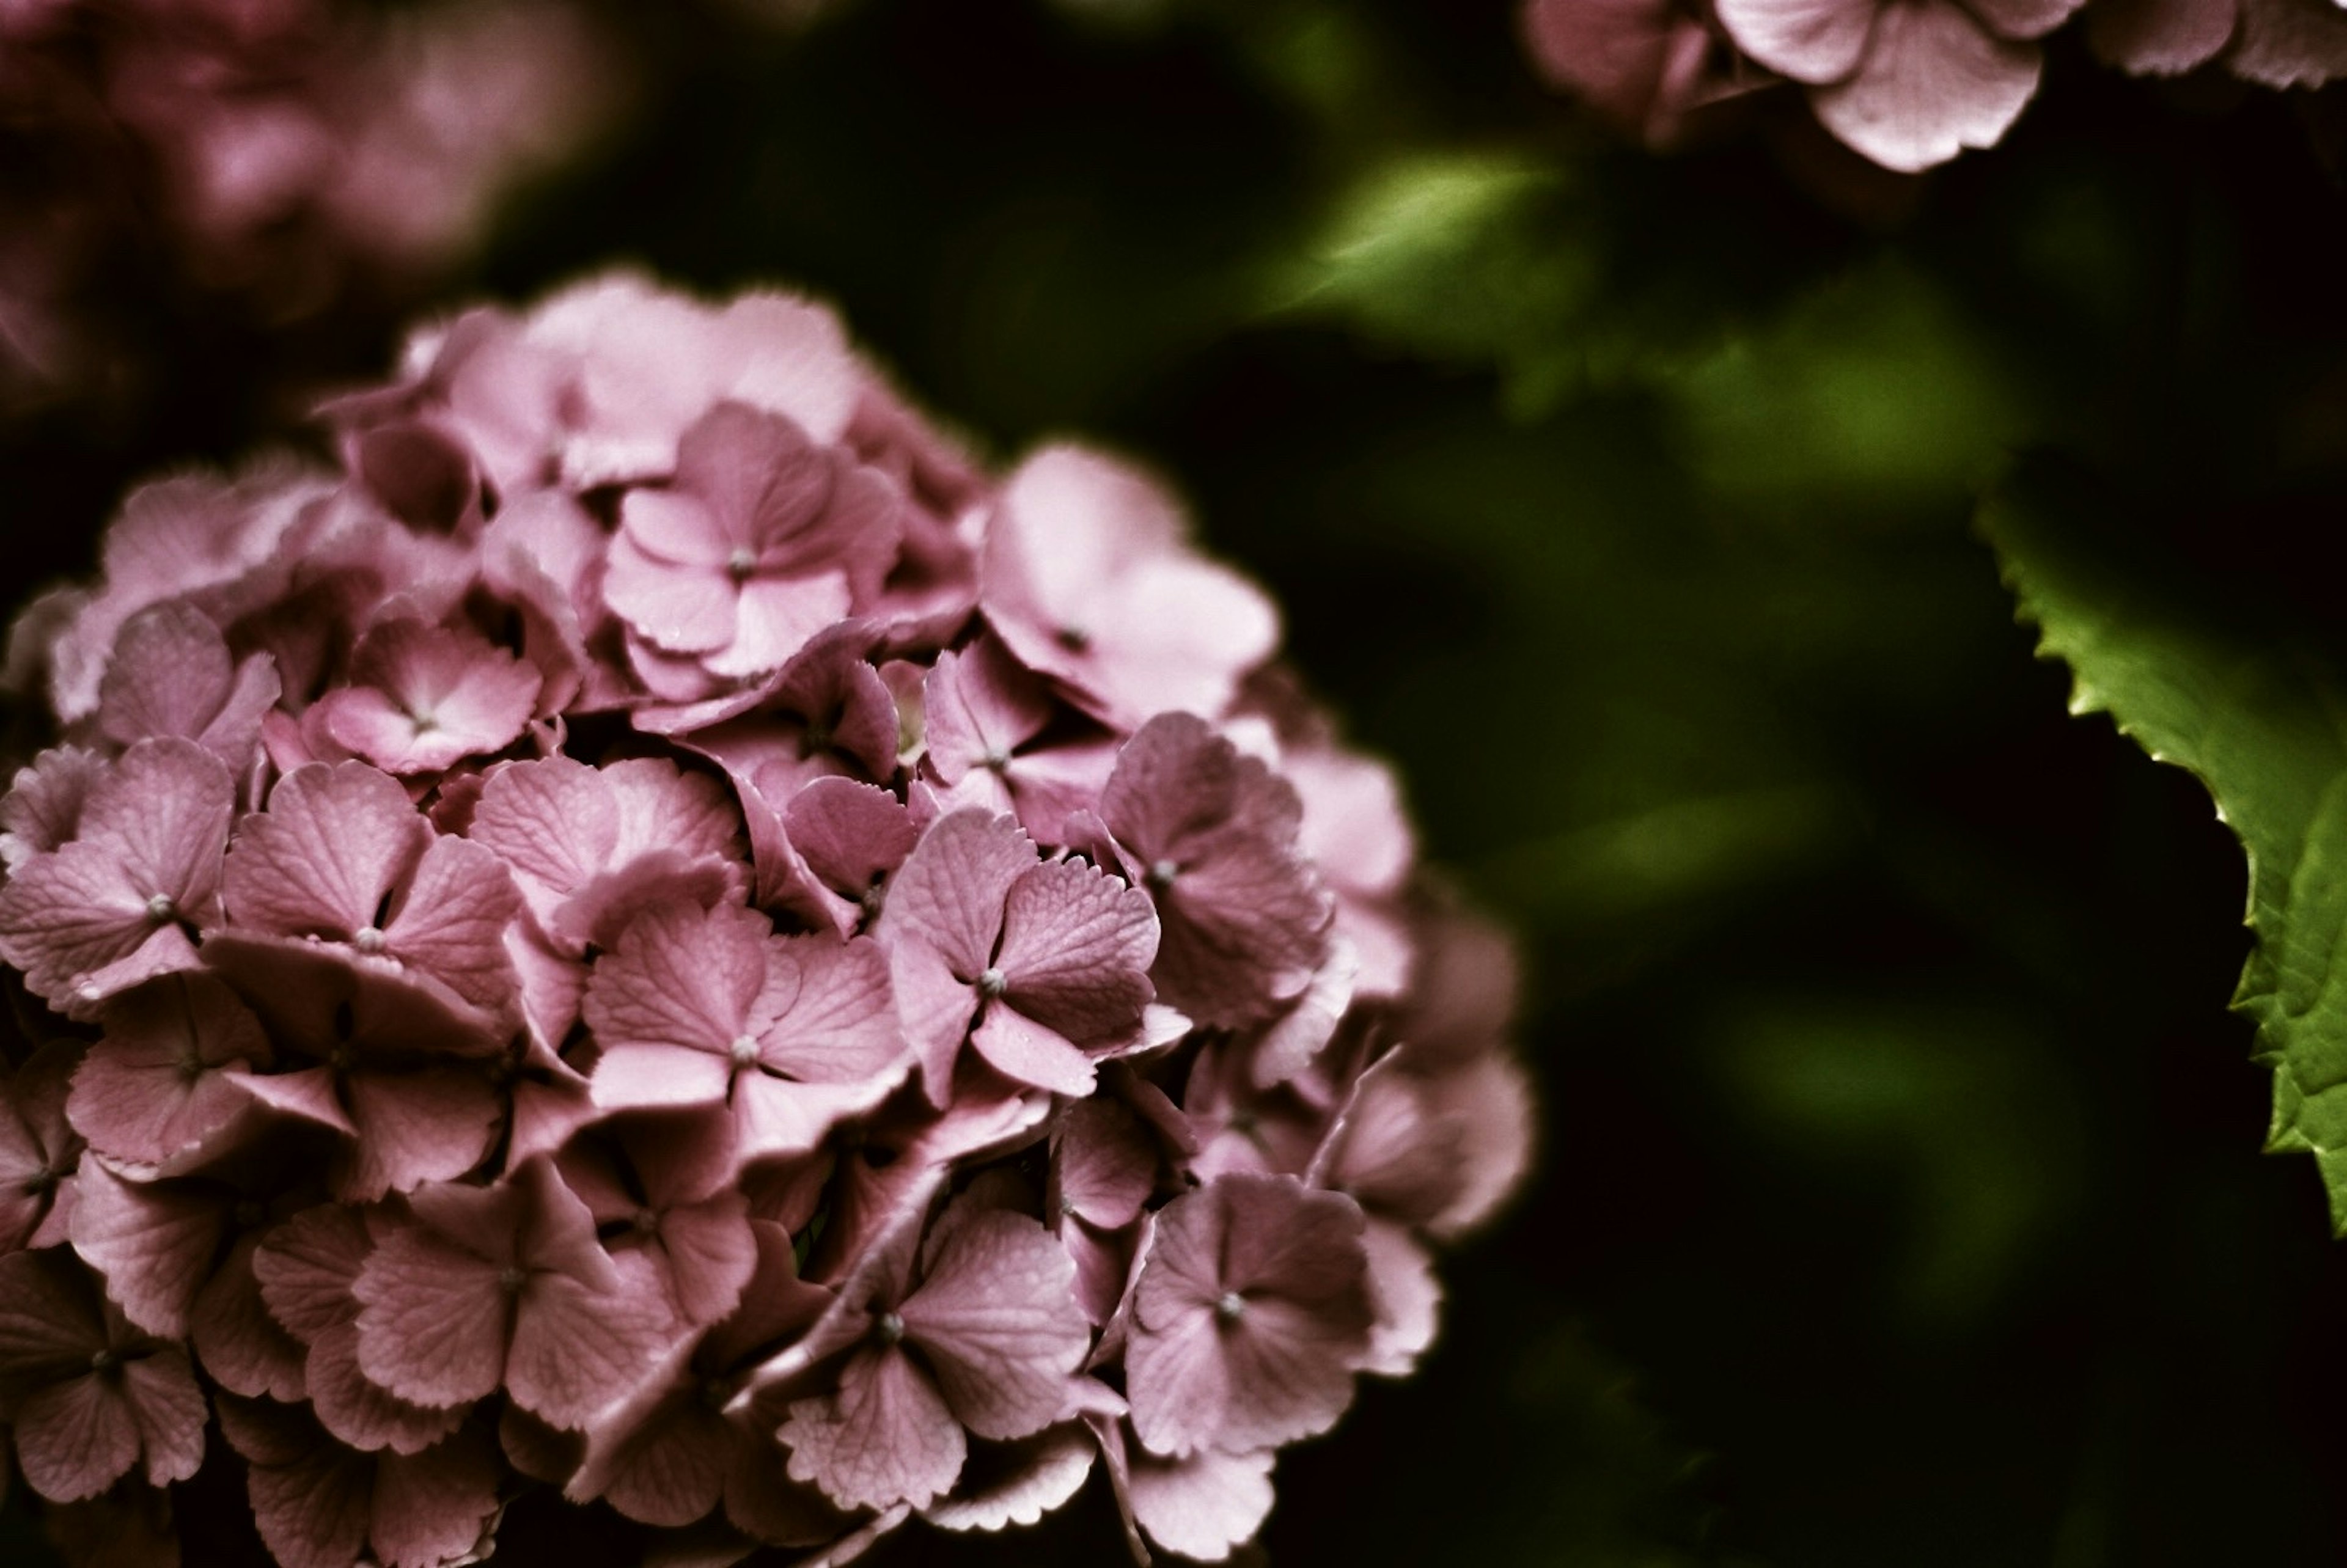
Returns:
<point x="2260" y="719"/>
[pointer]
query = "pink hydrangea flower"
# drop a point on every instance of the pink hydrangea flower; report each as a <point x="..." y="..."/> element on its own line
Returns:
<point x="879" y="1028"/>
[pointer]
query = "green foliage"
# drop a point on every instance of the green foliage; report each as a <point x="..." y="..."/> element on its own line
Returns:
<point x="2261" y="721"/>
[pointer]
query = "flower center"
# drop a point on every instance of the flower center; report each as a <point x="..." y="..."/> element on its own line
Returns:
<point x="103" y="1361"/>
<point x="1074" y="639"/>
<point x="1230" y="1306"/>
<point x="995" y="762"/>
<point x="1160" y="875"/>
<point x="646" y="1223"/>
<point x="368" y="939"/>
<point x="992" y="984"/>
<point x="741" y="563"/>
<point x="889" y="1328"/>
<point x="511" y="1278"/>
<point x="160" y="908"/>
<point x="743" y="1051"/>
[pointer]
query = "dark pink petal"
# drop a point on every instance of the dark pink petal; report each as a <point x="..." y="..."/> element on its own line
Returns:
<point x="1396" y="1148"/>
<point x="39" y="1151"/>
<point x="852" y="836"/>
<point x="1076" y="948"/>
<point x="1934" y="83"/>
<point x="999" y="1322"/>
<point x="166" y="1081"/>
<point x="76" y="1438"/>
<point x="1807" y="40"/>
<point x="682" y="977"/>
<point x="241" y="1347"/>
<point x="1104" y="1163"/>
<point x="431" y="1124"/>
<point x="169" y="1411"/>
<point x="306" y="1267"/>
<point x="1203" y="1506"/>
<point x="437" y="1506"/>
<point x="884" y="1437"/>
<point x="434" y="1319"/>
<point x="951" y="888"/>
<point x="128" y="1527"/>
<point x="1018" y="1484"/>
<point x="1287" y="1046"/>
<point x="936" y="1007"/>
<point x="310" y="1498"/>
<point x="979" y="706"/>
<point x="670" y="1473"/>
<point x="324" y="859"/>
<point x="361" y="1413"/>
<point x="711" y="1252"/>
<point x="154" y="1242"/>
<point x="577" y="1350"/>
<point x="450" y="922"/>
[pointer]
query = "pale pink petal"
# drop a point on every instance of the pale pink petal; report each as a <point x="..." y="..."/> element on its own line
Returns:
<point x="711" y="1252"/>
<point x="2023" y="18"/>
<point x="884" y="1437"/>
<point x="1807" y="40"/>
<point x="780" y="1116"/>
<point x="653" y="1076"/>
<point x="979" y="706"/>
<point x="1934" y="83"/>
<point x="554" y="821"/>
<point x="1406" y="1295"/>
<point x="683" y="608"/>
<point x="1178" y="1378"/>
<point x="1203" y="1506"/>
<point x="998" y="1320"/>
<point x="1494" y="1099"/>
<point x="935" y="1006"/>
<point x="852" y="836"/>
<point x="1018" y="1047"/>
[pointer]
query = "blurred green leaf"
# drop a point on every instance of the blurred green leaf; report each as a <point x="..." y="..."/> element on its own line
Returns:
<point x="2258" y="719"/>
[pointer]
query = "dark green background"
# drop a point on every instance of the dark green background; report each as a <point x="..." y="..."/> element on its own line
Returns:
<point x="1900" y="1199"/>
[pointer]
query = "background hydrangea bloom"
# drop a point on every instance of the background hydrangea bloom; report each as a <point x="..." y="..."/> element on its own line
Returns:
<point x="618" y="939"/>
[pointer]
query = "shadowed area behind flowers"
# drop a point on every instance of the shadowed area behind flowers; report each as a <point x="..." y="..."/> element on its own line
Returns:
<point x="1900" y="1199"/>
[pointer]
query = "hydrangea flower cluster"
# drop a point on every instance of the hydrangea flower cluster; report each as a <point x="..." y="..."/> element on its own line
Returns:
<point x="269" y="148"/>
<point x="656" y="932"/>
<point x="1909" y="84"/>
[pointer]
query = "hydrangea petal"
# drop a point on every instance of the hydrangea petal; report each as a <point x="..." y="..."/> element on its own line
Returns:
<point x="1934" y="83"/>
<point x="998" y="1320"/>
<point x="884" y="1437"/>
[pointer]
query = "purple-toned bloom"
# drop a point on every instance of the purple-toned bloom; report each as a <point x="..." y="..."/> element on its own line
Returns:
<point x="660" y="936"/>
